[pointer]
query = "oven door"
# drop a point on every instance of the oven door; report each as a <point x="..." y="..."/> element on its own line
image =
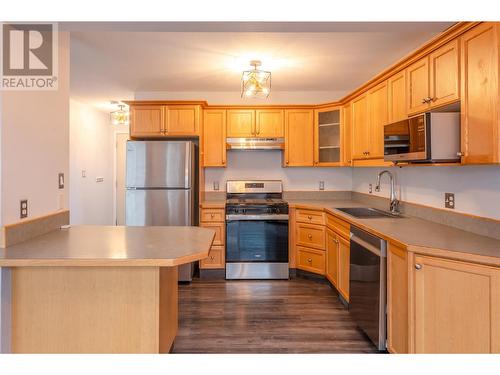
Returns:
<point x="407" y="140"/>
<point x="256" y="241"/>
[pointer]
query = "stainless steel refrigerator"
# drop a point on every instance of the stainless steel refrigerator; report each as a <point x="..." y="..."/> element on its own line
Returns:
<point x="161" y="186"/>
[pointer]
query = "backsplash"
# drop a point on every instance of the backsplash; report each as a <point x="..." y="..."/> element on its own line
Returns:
<point x="262" y="165"/>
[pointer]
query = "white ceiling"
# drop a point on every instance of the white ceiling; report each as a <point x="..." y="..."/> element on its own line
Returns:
<point x="115" y="60"/>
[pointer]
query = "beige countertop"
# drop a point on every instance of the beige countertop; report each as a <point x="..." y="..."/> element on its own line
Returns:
<point x="413" y="232"/>
<point x="88" y="245"/>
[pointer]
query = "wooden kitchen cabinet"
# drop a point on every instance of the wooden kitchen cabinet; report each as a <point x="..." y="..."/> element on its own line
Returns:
<point x="378" y="117"/>
<point x="150" y="121"/>
<point x="269" y="123"/>
<point x="147" y="121"/>
<point x="214" y="218"/>
<point x="417" y="86"/>
<point x="299" y="138"/>
<point x="344" y="265"/>
<point x="397" y="299"/>
<point x="433" y="81"/>
<point x="182" y="120"/>
<point x="312" y="260"/>
<point x="360" y="127"/>
<point x="214" y="138"/>
<point x="310" y="216"/>
<point x="332" y="257"/>
<point x="444" y="74"/>
<point x="454" y="306"/>
<point x="328" y="132"/>
<point x="480" y="110"/>
<point x="311" y="236"/>
<point x="346" y="135"/>
<point x="240" y="123"/>
<point x="396" y="86"/>
<point x="216" y="258"/>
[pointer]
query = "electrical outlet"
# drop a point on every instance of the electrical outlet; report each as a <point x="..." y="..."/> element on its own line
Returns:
<point x="61" y="180"/>
<point x="23" y="209"/>
<point x="449" y="200"/>
<point x="84" y="173"/>
<point x="370" y="188"/>
<point x="216" y="185"/>
<point x="322" y="185"/>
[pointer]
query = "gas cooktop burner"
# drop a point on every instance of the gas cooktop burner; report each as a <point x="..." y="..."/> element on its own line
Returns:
<point x="255" y="202"/>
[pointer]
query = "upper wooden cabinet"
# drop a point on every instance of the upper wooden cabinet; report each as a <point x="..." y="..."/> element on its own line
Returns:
<point x="299" y="138"/>
<point x="396" y="86"/>
<point x="360" y="127"/>
<point x="346" y="135"/>
<point x="182" y="119"/>
<point x="255" y="123"/>
<point x="378" y="113"/>
<point x="434" y="80"/>
<point x="454" y="307"/>
<point x="147" y="121"/>
<point x="164" y="120"/>
<point x="328" y="141"/>
<point x="240" y="123"/>
<point x="417" y="86"/>
<point x="480" y="95"/>
<point x="269" y="123"/>
<point x="214" y="138"/>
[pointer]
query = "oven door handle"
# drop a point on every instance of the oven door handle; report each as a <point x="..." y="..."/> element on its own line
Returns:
<point x="270" y="217"/>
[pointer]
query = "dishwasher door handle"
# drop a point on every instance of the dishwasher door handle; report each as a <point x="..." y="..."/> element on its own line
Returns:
<point x="368" y="246"/>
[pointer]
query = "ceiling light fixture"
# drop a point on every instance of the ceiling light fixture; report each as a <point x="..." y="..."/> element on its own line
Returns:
<point x="121" y="116"/>
<point x="255" y="83"/>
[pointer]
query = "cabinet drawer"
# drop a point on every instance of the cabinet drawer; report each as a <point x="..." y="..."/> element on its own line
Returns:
<point x="212" y="215"/>
<point x="219" y="232"/>
<point x="311" y="260"/>
<point x="311" y="217"/>
<point x="338" y="225"/>
<point x="215" y="258"/>
<point x="311" y="236"/>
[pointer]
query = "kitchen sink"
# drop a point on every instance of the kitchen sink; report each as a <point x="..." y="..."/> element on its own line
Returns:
<point x="366" y="212"/>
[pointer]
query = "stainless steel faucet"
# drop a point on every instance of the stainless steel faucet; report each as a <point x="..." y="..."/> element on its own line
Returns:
<point x="394" y="206"/>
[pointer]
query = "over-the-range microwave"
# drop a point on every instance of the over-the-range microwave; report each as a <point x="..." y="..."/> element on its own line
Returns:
<point x="432" y="137"/>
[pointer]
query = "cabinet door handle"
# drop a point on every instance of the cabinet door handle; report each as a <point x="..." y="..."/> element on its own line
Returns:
<point x="460" y="153"/>
<point x="309" y="236"/>
<point x="424" y="101"/>
<point x="212" y="216"/>
<point x="418" y="266"/>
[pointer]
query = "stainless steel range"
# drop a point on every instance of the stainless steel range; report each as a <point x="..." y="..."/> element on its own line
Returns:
<point x="256" y="230"/>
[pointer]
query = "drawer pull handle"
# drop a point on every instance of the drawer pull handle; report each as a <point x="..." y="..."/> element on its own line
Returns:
<point x="212" y="216"/>
<point x="309" y="236"/>
<point x="212" y="257"/>
<point x="309" y="260"/>
<point x="309" y="217"/>
<point x="418" y="266"/>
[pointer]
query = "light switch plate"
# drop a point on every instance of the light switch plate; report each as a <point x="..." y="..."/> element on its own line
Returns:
<point x="322" y="185"/>
<point x="449" y="200"/>
<point x="216" y="185"/>
<point x="61" y="180"/>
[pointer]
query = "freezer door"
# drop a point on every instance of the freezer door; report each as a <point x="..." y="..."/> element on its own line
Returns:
<point x="160" y="164"/>
<point x="159" y="207"/>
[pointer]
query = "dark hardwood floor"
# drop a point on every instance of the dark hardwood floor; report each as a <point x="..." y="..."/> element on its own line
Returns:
<point x="295" y="316"/>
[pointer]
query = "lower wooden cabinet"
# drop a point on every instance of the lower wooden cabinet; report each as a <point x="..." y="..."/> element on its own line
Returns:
<point x="311" y="236"/>
<point x="397" y="299"/>
<point x="344" y="259"/>
<point x="214" y="218"/>
<point x="312" y="260"/>
<point x="454" y="306"/>
<point x="216" y="258"/>
<point x="332" y="257"/>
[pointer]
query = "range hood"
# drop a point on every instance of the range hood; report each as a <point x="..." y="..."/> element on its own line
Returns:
<point x="255" y="143"/>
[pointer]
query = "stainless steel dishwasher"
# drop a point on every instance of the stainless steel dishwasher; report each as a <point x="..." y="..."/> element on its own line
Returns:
<point x="367" y="284"/>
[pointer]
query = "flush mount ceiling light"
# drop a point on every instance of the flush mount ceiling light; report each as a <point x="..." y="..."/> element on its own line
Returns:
<point x="119" y="117"/>
<point x="255" y="83"/>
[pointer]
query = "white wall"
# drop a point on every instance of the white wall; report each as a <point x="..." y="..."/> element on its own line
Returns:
<point x="35" y="145"/>
<point x="91" y="150"/>
<point x="476" y="188"/>
<point x="233" y="97"/>
<point x="261" y="165"/>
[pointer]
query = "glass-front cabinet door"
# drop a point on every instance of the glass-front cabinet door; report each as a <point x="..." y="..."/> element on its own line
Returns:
<point x="328" y="137"/>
